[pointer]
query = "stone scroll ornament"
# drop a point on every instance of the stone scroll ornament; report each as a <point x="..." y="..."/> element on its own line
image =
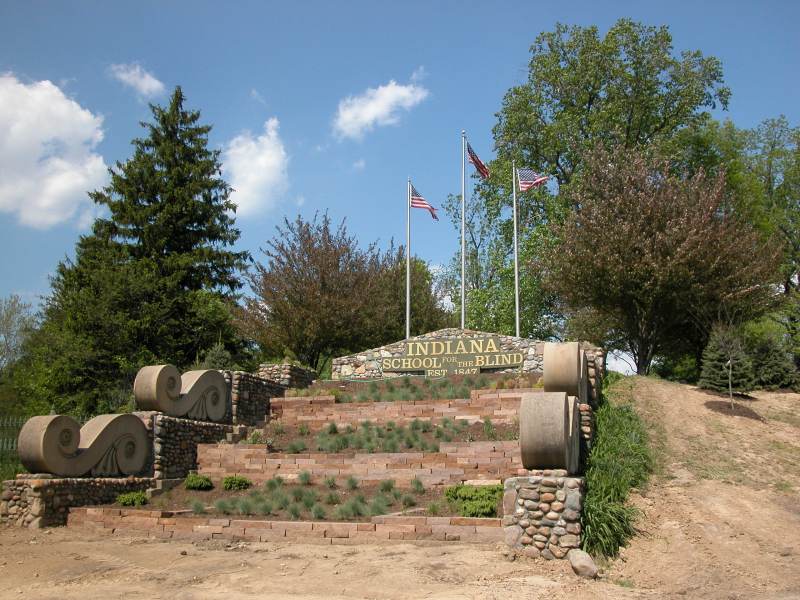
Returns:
<point x="198" y="395"/>
<point x="550" y="421"/>
<point x="106" y="446"/>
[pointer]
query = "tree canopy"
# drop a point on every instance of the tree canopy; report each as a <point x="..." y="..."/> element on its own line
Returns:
<point x="151" y="283"/>
<point x="318" y="294"/>
<point x="657" y="255"/>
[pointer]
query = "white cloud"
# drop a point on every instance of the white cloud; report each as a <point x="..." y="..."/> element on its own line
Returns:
<point x="257" y="97"/>
<point x="256" y="167"/>
<point x="360" y="164"/>
<point x="360" y="114"/>
<point x="48" y="161"/>
<point x="419" y="74"/>
<point x="134" y="76"/>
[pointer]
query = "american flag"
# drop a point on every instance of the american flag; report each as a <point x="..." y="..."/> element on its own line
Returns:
<point x="529" y="178"/>
<point x="477" y="162"/>
<point x="417" y="201"/>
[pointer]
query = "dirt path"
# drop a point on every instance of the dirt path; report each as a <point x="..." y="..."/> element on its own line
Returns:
<point x="722" y="520"/>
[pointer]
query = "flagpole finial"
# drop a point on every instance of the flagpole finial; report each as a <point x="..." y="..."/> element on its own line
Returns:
<point x="463" y="132"/>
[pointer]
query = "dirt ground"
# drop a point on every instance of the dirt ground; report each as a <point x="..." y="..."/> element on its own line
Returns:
<point x="720" y="520"/>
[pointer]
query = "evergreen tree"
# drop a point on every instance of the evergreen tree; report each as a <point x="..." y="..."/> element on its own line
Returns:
<point x="772" y="365"/>
<point x="153" y="281"/>
<point x="724" y="346"/>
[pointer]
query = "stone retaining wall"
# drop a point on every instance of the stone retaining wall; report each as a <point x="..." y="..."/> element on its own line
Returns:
<point x="250" y="397"/>
<point x="366" y="365"/>
<point x="288" y="375"/>
<point x="44" y="500"/>
<point x="542" y="512"/>
<point x="455" y="462"/>
<point x="165" y="524"/>
<point x="317" y="411"/>
<point x="175" y="443"/>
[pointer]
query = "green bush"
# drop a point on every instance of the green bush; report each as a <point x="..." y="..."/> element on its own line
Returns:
<point x="330" y="482"/>
<point x="294" y="512"/>
<point x="416" y="486"/>
<point x="194" y="481"/>
<point x="620" y="459"/>
<point x="304" y="478"/>
<point x="198" y="507"/>
<point x="387" y="485"/>
<point x="236" y="482"/>
<point x="303" y="429"/>
<point x="132" y="499"/>
<point x="474" y="501"/>
<point x="352" y="483"/>
<point x="332" y="498"/>
<point x="378" y="506"/>
<point x="223" y="506"/>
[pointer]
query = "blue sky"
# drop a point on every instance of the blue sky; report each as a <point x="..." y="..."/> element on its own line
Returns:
<point x="301" y="98"/>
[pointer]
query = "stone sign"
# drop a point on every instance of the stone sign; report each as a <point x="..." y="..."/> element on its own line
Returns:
<point x="452" y="356"/>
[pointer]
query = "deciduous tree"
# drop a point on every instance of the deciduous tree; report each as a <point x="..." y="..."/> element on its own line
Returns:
<point x="657" y="255"/>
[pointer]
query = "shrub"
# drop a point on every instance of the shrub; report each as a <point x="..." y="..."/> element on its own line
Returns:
<point x="332" y="498"/>
<point x="474" y="501"/>
<point x="132" y="499"/>
<point x="619" y="460"/>
<point x="198" y="507"/>
<point x="194" y="481"/>
<point x="294" y="512"/>
<point x="304" y="478"/>
<point x="724" y="345"/>
<point x="278" y="428"/>
<point x="408" y="501"/>
<point x="255" y="437"/>
<point x="387" y="485"/>
<point x="236" y="482"/>
<point x="378" y="506"/>
<point x="281" y="500"/>
<point x="302" y="429"/>
<point x="352" y="483"/>
<point x="317" y="512"/>
<point x="223" y="506"/>
<point x="434" y="508"/>
<point x="245" y="506"/>
<point x="264" y="508"/>
<point x="426" y="426"/>
<point x="330" y="482"/>
<point x="488" y="429"/>
<point x="296" y="447"/>
<point x="332" y="429"/>
<point x="297" y="494"/>
<point x="416" y="486"/>
<point x="309" y="500"/>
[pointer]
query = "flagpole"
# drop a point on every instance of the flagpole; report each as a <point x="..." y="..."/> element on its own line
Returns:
<point x="516" y="249"/>
<point x="408" y="259"/>
<point x="463" y="224"/>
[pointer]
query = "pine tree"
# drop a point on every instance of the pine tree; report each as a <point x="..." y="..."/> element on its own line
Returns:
<point x="153" y="281"/>
<point x="724" y="346"/>
<point x="773" y="365"/>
